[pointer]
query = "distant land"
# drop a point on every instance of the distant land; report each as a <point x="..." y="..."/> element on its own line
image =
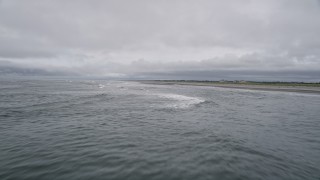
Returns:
<point x="300" y="87"/>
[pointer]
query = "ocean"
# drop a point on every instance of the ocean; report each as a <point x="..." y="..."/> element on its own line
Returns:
<point x="98" y="129"/>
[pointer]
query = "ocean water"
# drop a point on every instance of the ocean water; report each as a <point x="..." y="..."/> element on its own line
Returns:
<point x="85" y="129"/>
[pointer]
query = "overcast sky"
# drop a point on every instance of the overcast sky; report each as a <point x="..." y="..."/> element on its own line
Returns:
<point x="191" y="39"/>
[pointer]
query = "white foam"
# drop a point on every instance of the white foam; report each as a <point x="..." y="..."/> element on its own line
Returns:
<point x="180" y="101"/>
<point x="101" y="86"/>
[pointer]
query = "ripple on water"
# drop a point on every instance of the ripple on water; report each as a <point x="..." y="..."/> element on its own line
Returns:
<point x="83" y="130"/>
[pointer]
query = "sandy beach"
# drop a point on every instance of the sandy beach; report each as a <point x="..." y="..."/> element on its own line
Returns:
<point x="287" y="88"/>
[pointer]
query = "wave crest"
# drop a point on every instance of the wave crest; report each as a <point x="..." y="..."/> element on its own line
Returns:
<point x="181" y="101"/>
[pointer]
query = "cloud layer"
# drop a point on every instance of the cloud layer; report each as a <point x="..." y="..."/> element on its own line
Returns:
<point x="129" y="38"/>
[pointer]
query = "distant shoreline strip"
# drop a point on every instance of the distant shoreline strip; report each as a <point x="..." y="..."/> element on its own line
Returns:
<point x="300" y="89"/>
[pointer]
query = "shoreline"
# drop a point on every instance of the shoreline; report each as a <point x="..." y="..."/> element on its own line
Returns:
<point x="282" y="88"/>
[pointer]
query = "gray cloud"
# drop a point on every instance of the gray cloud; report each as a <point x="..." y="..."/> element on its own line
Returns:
<point x="8" y="68"/>
<point x="127" y="38"/>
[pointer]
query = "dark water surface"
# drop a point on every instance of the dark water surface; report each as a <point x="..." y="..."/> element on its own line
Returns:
<point x="81" y="129"/>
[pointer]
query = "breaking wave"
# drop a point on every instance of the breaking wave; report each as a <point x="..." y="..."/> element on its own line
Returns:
<point x="180" y="101"/>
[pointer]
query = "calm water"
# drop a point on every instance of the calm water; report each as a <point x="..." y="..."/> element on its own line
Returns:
<point x="81" y="129"/>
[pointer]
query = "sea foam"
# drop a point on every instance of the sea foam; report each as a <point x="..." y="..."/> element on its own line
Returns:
<point x="180" y="101"/>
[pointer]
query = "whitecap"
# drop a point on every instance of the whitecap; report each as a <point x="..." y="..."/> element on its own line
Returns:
<point x="101" y="86"/>
<point x="180" y="101"/>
